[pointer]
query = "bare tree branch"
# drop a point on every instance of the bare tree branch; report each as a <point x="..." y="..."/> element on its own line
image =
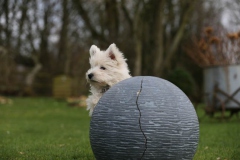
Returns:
<point x="126" y="13"/>
<point x="87" y="21"/>
<point x="189" y="6"/>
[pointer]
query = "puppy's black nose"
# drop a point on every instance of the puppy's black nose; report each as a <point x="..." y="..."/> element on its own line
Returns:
<point x="90" y="75"/>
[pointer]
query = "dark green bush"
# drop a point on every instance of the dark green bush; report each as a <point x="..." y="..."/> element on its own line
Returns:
<point x="184" y="80"/>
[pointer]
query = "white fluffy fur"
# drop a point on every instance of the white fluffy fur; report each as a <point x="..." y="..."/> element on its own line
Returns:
<point x="116" y="70"/>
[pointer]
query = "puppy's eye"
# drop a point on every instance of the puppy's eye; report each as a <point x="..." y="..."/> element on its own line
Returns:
<point x="103" y="68"/>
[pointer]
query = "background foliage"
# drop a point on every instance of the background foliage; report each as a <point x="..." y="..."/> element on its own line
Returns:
<point x="42" y="39"/>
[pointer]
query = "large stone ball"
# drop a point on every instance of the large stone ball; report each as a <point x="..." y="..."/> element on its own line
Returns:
<point x="144" y="118"/>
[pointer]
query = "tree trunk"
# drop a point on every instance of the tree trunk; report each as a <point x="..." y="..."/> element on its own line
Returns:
<point x="44" y="51"/>
<point x="137" y="40"/>
<point x="32" y="74"/>
<point x="179" y="35"/>
<point x="112" y="22"/>
<point x="7" y="29"/>
<point x="28" y="90"/>
<point x="158" y="36"/>
<point x="138" y="57"/>
<point x="24" y="10"/>
<point x="63" y="57"/>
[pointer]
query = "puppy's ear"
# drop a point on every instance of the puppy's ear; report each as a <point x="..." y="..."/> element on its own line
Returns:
<point x="93" y="50"/>
<point x="113" y="52"/>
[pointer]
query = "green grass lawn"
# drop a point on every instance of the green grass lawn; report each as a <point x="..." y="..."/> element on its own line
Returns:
<point x="219" y="139"/>
<point x="43" y="128"/>
<point x="47" y="129"/>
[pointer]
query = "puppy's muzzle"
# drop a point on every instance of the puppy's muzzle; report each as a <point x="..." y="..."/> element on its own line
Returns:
<point x="90" y="76"/>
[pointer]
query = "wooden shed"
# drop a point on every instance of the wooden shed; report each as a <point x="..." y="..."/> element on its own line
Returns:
<point x="62" y="86"/>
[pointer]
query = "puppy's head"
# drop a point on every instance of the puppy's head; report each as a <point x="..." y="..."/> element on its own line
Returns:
<point x="107" y="67"/>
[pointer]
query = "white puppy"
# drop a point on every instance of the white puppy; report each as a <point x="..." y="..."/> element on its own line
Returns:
<point x="107" y="68"/>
